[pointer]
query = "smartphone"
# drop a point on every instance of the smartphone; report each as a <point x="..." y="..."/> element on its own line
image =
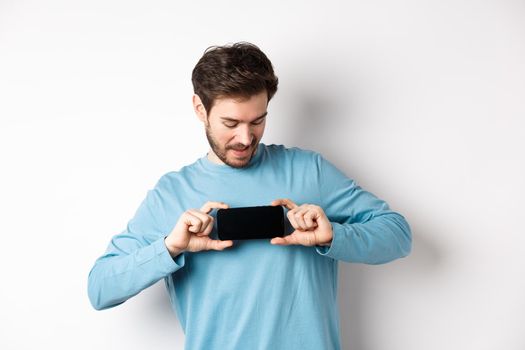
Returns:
<point x="250" y="222"/>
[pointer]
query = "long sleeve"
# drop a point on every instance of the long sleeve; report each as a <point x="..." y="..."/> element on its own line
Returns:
<point x="365" y="230"/>
<point x="134" y="259"/>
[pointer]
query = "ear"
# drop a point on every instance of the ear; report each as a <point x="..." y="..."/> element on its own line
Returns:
<point x="199" y="109"/>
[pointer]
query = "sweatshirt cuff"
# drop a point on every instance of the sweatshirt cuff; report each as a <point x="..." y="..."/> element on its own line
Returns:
<point x="166" y="262"/>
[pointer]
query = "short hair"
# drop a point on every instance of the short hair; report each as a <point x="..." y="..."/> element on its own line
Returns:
<point x="238" y="70"/>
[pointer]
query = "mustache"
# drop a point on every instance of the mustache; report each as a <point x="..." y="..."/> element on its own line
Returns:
<point x="240" y="146"/>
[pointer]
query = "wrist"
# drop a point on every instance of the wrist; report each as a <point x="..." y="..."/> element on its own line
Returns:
<point x="329" y="242"/>
<point x="172" y="249"/>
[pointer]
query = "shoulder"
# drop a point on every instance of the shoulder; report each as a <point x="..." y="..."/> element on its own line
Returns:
<point x="292" y="153"/>
<point x="304" y="160"/>
<point x="173" y="179"/>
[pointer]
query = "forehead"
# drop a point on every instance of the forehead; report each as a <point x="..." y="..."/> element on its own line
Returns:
<point x="243" y="109"/>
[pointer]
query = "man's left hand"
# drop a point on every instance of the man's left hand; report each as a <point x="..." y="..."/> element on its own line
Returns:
<point x="310" y="223"/>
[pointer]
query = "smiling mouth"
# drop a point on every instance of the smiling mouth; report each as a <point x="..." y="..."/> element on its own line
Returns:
<point x="241" y="153"/>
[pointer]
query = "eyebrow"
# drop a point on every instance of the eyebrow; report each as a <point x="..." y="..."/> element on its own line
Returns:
<point x="236" y="120"/>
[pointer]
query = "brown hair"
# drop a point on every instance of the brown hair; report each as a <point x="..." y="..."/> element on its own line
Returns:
<point x="238" y="70"/>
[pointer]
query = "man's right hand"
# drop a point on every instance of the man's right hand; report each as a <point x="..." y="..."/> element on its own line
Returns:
<point x="191" y="233"/>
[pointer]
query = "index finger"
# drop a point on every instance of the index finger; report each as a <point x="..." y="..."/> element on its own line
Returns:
<point x="206" y="208"/>
<point x="286" y="202"/>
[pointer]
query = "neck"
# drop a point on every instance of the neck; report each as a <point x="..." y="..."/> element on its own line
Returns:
<point x="212" y="157"/>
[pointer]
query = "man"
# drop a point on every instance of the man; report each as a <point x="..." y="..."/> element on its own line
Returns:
<point x="248" y="294"/>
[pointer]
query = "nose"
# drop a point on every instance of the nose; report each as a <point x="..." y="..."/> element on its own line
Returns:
<point x="244" y="135"/>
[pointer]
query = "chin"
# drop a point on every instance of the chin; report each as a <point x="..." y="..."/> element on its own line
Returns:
<point x="238" y="164"/>
<point x="235" y="162"/>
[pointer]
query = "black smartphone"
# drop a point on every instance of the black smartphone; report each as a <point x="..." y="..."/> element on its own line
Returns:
<point x="250" y="222"/>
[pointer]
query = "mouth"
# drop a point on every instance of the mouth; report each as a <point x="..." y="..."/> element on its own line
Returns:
<point x="242" y="153"/>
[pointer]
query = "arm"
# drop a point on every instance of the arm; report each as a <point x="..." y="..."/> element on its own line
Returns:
<point x="364" y="228"/>
<point x="143" y="253"/>
<point x="134" y="259"/>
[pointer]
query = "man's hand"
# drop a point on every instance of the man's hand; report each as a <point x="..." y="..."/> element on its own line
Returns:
<point x="191" y="233"/>
<point x="310" y="223"/>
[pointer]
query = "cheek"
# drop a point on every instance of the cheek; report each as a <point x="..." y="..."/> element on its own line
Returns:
<point x="220" y="132"/>
<point x="259" y="130"/>
<point x="224" y="135"/>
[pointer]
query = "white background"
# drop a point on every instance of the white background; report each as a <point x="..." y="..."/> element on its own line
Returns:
<point x="421" y="102"/>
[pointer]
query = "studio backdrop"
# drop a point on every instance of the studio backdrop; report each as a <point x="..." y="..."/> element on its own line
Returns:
<point x="420" y="102"/>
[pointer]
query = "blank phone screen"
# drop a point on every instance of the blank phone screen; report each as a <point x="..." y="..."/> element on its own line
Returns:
<point x="250" y="222"/>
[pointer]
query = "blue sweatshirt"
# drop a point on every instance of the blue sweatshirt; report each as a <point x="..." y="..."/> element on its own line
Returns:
<point x="254" y="295"/>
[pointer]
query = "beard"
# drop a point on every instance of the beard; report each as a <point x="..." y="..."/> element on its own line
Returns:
<point x="222" y="152"/>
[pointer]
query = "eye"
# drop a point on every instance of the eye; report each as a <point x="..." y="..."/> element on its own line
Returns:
<point x="260" y="121"/>
<point x="230" y="125"/>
